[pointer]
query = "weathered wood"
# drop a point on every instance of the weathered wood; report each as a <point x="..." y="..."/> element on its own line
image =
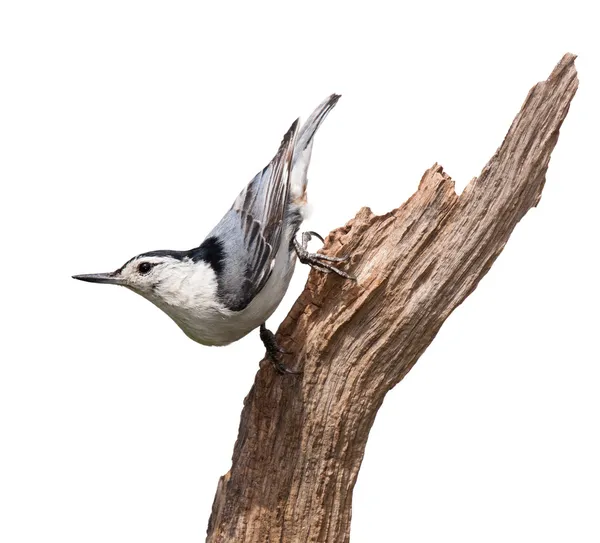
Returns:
<point x="302" y="438"/>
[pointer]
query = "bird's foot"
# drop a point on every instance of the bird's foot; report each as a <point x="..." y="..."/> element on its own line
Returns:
<point x="318" y="261"/>
<point x="274" y="352"/>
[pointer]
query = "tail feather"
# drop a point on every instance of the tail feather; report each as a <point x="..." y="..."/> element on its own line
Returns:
<point x="303" y="148"/>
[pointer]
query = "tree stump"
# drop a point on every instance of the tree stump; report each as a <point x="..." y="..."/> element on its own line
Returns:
<point x="302" y="438"/>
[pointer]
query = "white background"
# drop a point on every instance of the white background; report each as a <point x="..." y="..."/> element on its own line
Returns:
<point x="131" y="126"/>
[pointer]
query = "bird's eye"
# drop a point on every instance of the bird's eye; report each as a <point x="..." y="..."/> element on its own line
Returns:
<point x="144" y="268"/>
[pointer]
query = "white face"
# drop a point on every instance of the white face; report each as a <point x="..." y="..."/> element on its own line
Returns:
<point x="168" y="282"/>
<point x="145" y="274"/>
<point x="184" y="289"/>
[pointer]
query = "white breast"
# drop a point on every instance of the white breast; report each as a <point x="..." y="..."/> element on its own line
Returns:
<point x="204" y="319"/>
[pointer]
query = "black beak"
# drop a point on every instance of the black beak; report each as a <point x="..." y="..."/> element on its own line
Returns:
<point x="111" y="278"/>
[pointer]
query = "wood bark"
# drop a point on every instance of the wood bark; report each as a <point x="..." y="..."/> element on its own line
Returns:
<point x="302" y="438"/>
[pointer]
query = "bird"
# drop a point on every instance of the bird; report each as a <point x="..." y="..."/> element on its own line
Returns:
<point x="234" y="280"/>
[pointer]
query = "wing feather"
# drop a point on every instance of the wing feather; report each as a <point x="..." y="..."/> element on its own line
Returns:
<point x="258" y="214"/>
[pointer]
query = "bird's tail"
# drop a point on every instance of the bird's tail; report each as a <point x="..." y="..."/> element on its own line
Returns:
<point x="303" y="149"/>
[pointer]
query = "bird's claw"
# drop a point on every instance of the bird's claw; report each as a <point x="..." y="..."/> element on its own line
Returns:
<point x="273" y="352"/>
<point x="318" y="261"/>
<point x="312" y="233"/>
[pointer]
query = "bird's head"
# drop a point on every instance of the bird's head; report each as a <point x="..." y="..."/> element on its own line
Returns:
<point x="163" y="277"/>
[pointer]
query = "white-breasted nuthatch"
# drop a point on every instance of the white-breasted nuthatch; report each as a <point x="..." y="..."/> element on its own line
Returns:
<point x="233" y="282"/>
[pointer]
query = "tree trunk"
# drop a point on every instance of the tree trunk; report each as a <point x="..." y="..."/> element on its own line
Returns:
<point x="302" y="438"/>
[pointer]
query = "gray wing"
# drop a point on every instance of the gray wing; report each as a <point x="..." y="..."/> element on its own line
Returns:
<point x="250" y="232"/>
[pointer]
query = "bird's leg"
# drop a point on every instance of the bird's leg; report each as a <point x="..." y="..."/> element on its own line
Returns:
<point x="316" y="260"/>
<point x="274" y="351"/>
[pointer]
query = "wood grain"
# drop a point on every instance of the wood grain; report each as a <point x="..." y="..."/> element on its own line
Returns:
<point x="302" y="438"/>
